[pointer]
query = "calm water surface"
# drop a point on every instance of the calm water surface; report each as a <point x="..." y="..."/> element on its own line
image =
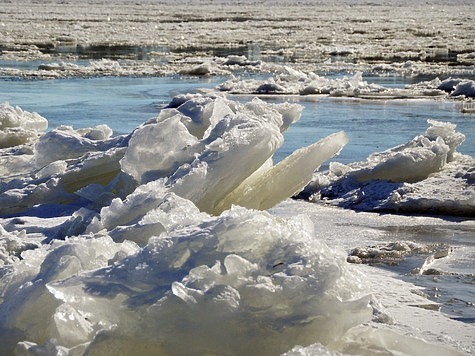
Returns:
<point x="124" y="103"/>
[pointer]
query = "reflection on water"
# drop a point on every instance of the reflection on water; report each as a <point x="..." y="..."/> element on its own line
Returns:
<point x="455" y="294"/>
<point x="112" y="51"/>
<point x="456" y="234"/>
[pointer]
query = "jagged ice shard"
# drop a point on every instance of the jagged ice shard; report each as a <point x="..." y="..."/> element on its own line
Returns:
<point x="268" y="188"/>
<point x="204" y="149"/>
<point x="425" y="175"/>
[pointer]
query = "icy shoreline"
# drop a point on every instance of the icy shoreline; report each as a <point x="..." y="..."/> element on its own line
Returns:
<point x="406" y="307"/>
<point x="180" y="235"/>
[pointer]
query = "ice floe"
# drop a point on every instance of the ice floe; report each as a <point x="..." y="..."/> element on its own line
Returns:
<point x="18" y="127"/>
<point x="455" y="87"/>
<point x="426" y="175"/>
<point x="292" y="81"/>
<point x="289" y="81"/>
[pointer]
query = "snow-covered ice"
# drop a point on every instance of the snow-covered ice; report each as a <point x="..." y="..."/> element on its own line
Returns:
<point x="289" y="81"/>
<point x="196" y="37"/>
<point x="19" y="127"/>
<point x="425" y="175"/>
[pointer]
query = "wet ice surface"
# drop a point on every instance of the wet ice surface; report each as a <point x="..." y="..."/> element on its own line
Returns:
<point x="121" y="239"/>
<point x="406" y="246"/>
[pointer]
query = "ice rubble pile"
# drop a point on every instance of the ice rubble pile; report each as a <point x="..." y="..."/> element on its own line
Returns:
<point x="268" y="281"/>
<point x="454" y="87"/>
<point x="290" y="81"/>
<point x="200" y="150"/>
<point x="426" y="175"/>
<point x="140" y="248"/>
<point x="110" y="245"/>
<point x="242" y="281"/>
<point x="19" y="127"/>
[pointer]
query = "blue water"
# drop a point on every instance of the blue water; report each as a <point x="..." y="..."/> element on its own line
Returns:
<point x="123" y="103"/>
<point x="374" y="125"/>
<point x="120" y="102"/>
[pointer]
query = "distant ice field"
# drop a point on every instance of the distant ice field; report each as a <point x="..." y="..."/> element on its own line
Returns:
<point x="123" y="103"/>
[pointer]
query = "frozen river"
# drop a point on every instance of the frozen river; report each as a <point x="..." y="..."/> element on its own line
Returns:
<point x="133" y="223"/>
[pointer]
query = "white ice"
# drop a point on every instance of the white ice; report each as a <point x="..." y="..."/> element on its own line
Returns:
<point x="426" y="175"/>
<point x="203" y="148"/>
<point x="138" y="242"/>
<point x="289" y="81"/>
<point x="98" y="253"/>
<point x="18" y="127"/>
<point x="267" y="279"/>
